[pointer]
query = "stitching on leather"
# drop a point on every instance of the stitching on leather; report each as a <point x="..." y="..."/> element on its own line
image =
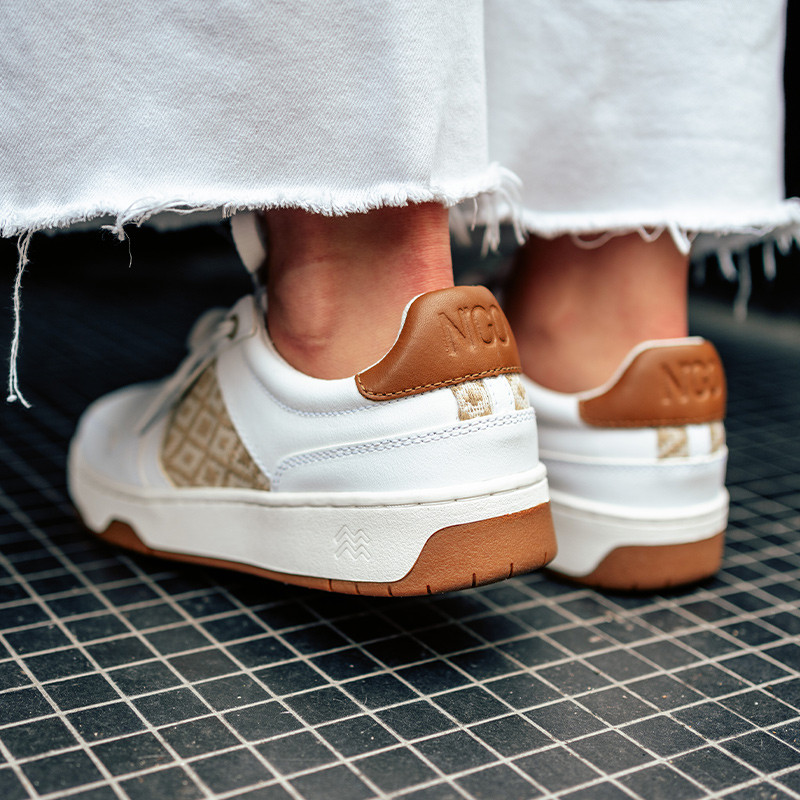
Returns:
<point x="449" y="382"/>
<point x="179" y="498"/>
<point x="461" y="429"/>
<point x="646" y="423"/>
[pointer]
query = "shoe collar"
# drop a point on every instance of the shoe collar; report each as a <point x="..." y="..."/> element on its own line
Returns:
<point x="648" y="344"/>
<point x="564" y="407"/>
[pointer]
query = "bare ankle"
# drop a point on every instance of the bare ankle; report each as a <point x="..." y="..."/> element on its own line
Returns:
<point x="337" y="286"/>
<point x="576" y="313"/>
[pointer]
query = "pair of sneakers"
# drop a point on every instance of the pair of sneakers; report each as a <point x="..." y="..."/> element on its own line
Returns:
<point x="421" y="474"/>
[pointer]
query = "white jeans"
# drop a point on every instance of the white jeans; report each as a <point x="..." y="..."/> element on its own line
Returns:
<point x="615" y="114"/>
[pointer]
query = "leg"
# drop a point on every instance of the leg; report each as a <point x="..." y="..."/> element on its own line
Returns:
<point x="363" y="460"/>
<point x="333" y="443"/>
<point x="577" y="312"/>
<point x="337" y="286"/>
<point x="636" y="468"/>
<point x="655" y="487"/>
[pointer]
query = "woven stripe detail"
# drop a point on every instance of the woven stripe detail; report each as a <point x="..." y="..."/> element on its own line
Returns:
<point x="201" y="446"/>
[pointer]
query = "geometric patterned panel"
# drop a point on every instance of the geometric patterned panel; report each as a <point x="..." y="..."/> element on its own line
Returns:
<point x="717" y="436"/>
<point x="202" y="448"/>
<point x="473" y="400"/>
<point x="673" y="442"/>
<point x="518" y="390"/>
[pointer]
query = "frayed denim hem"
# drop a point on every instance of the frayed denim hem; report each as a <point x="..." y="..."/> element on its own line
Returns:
<point x="495" y="187"/>
<point x="727" y="234"/>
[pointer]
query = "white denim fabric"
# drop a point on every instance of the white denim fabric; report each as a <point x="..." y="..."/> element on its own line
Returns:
<point x="112" y="109"/>
<point x="615" y="114"/>
<point x="626" y="115"/>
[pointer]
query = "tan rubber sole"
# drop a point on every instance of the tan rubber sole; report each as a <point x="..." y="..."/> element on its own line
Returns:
<point x="643" y="568"/>
<point x="455" y="557"/>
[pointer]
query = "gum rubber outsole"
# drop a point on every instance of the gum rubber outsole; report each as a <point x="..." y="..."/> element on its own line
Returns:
<point x="456" y="557"/>
<point x="649" y="568"/>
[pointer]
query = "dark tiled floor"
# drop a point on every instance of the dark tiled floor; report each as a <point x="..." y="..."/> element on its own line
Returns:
<point x="126" y="677"/>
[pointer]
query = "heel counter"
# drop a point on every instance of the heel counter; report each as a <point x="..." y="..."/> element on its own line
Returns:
<point x="449" y="337"/>
<point x="662" y="385"/>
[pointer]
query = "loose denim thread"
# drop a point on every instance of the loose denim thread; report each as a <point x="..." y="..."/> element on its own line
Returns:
<point x="136" y="214"/>
<point x="139" y="212"/>
<point x="14" y="393"/>
<point x="738" y="269"/>
<point x="683" y="239"/>
<point x="491" y="209"/>
<point x="507" y="194"/>
<point x="769" y="261"/>
<point x="745" y="287"/>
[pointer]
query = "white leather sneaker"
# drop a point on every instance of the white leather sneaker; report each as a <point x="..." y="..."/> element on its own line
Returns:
<point x="418" y="475"/>
<point x="637" y="469"/>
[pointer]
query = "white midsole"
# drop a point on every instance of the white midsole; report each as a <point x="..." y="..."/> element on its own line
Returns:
<point x="341" y="536"/>
<point x="588" y="532"/>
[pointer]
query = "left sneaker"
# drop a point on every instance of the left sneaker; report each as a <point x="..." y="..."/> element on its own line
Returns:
<point x="419" y="474"/>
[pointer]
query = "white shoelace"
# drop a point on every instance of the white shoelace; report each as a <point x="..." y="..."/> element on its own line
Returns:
<point x="210" y="331"/>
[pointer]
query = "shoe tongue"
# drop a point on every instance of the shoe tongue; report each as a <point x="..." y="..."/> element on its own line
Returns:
<point x="447" y="337"/>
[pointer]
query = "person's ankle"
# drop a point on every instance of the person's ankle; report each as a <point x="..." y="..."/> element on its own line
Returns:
<point x="576" y="313"/>
<point x="337" y="286"/>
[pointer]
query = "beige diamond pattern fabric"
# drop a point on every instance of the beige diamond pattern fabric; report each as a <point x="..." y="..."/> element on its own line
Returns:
<point x="518" y="390"/>
<point x="201" y="446"/>
<point x="717" y="436"/>
<point x="473" y="400"/>
<point x="673" y="442"/>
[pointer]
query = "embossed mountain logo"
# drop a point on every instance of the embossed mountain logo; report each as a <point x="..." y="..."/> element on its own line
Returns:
<point x="353" y="545"/>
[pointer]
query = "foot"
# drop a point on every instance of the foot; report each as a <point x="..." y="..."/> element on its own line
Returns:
<point x="637" y="469"/>
<point x="418" y="474"/>
<point x="629" y="411"/>
<point x="578" y="312"/>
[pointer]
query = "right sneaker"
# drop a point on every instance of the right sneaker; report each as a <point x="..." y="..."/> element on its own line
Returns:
<point x="637" y="469"/>
<point x="420" y="474"/>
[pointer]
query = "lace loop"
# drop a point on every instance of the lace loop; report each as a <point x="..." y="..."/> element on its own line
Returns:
<point x="212" y="329"/>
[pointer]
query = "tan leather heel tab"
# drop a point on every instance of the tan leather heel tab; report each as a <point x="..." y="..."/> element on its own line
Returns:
<point x="671" y="385"/>
<point x="448" y="337"/>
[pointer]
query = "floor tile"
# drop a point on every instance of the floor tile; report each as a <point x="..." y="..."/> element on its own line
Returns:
<point x="557" y="769"/>
<point x="297" y="752"/>
<point x="455" y="752"/>
<point x="132" y="753"/>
